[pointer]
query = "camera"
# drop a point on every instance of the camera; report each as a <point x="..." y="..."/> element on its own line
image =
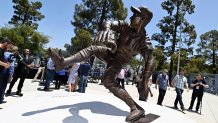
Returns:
<point x="14" y="56"/>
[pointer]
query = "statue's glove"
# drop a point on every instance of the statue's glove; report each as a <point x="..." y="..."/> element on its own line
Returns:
<point x="106" y="37"/>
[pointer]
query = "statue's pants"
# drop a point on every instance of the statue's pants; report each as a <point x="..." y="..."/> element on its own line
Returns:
<point x="114" y="65"/>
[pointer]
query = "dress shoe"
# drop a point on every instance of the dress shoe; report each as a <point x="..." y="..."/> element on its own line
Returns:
<point x="183" y="109"/>
<point x="142" y="99"/>
<point x="8" y="93"/>
<point x="47" y="89"/>
<point x="3" y="102"/>
<point x="175" y="107"/>
<point x="190" y="110"/>
<point x="19" y="94"/>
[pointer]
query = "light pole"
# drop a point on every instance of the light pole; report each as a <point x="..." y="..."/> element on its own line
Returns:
<point x="178" y="64"/>
<point x="180" y="43"/>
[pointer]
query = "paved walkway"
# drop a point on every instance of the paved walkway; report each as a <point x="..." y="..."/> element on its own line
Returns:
<point x="97" y="105"/>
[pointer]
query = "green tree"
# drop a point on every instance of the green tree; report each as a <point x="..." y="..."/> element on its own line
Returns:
<point x="26" y="13"/>
<point x="80" y="41"/>
<point x="196" y="65"/>
<point x="91" y="14"/>
<point x="174" y="26"/>
<point x="35" y="41"/>
<point x="24" y="25"/>
<point x="208" y="48"/>
<point x="136" y="63"/>
<point x="184" y="59"/>
<point x="159" y="59"/>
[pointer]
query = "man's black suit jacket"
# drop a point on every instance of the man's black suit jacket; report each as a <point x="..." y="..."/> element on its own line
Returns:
<point x="22" y="70"/>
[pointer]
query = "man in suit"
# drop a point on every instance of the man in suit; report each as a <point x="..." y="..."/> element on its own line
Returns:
<point x="21" y="71"/>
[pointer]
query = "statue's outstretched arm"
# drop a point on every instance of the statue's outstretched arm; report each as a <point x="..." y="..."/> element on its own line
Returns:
<point x="148" y="67"/>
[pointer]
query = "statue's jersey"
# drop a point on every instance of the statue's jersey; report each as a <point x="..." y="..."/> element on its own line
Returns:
<point x="130" y="42"/>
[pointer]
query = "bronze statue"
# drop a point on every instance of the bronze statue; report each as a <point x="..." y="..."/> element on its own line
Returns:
<point x="132" y="39"/>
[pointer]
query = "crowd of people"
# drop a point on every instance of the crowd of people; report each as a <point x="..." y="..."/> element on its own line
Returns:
<point x="180" y="83"/>
<point x="162" y="83"/>
<point x="14" y="66"/>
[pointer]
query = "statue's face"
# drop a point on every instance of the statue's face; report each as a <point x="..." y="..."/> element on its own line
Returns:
<point x="135" y="21"/>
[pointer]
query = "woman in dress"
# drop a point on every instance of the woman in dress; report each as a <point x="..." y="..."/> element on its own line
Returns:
<point x="73" y="77"/>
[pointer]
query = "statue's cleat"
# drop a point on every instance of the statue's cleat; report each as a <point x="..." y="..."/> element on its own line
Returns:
<point x="139" y="107"/>
<point x="57" y="59"/>
<point x="134" y="115"/>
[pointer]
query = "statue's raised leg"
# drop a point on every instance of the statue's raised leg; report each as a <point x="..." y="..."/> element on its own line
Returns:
<point x="82" y="55"/>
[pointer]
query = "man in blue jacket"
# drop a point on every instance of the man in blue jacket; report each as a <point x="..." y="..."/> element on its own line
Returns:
<point x="83" y="73"/>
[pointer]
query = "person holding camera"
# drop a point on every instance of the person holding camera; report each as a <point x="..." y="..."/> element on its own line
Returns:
<point x="11" y="56"/>
<point x="8" y="73"/>
<point x="198" y="86"/>
<point x="5" y="45"/>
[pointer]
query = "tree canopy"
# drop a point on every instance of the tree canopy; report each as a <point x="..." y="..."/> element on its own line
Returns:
<point x="26" y="13"/>
<point x="90" y="15"/>
<point x="25" y="37"/>
<point x="174" y="28"/>
<point x="23" y="26"/>
<point x="208" y="49"/>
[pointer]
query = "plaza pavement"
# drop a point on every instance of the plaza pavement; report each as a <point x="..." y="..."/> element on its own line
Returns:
<point x="97" y="105"/>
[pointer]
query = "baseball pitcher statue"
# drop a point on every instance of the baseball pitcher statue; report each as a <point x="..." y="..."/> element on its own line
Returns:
<point x="132" y="39"/>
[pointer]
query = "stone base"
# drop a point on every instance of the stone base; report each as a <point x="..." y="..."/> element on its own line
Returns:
<point x="146" y="118"/>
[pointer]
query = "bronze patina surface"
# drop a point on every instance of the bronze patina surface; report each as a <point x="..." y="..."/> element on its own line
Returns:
<point x="132" y="39"/>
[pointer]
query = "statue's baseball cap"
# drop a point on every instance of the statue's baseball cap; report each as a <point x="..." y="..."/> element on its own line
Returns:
<point x="143" y="10"/>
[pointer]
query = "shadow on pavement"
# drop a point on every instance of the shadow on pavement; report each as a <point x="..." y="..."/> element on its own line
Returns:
<point x="95" y="107"/>
<point x="172" y="107"/>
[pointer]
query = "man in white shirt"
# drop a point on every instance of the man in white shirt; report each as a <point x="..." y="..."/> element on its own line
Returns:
<point x="50" y="73"/>
<point x="180" y="81"/>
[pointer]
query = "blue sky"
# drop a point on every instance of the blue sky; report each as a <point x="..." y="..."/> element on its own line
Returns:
<point x="59" y="13"/>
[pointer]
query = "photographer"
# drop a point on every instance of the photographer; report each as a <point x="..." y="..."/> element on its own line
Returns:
<point x="11" y="56"/>
<point x="5" y="44"/>
<point x="198" y="90"/>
